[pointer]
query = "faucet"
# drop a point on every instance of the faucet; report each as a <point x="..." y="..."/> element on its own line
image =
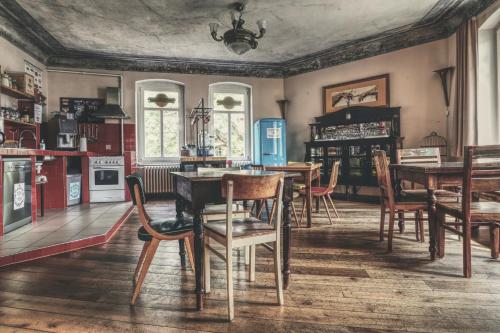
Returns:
<point x="21" y="137"/>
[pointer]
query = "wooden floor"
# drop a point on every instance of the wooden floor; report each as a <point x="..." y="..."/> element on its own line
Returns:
<point x="343" y="281"/>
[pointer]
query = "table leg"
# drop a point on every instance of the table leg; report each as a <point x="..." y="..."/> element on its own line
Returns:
<point x="287" y="235"/>
<point x="432" y="222"/>
<point x="308" y="180"/>
<point x="179" y="209"/>
<point x="318" y="184"/>
<point x="198" y="255"/>
<point x="42" y="199"/>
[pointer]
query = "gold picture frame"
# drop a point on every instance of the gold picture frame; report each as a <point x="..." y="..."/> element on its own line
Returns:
<point x="371" y="91"/>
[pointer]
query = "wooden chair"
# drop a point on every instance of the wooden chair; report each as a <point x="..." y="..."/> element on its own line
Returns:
<point x="153" y="231"/>
<point x="390" y="202"/>
<point x="236" y="233"/>
<point x="481" y="174"/>
<point x="323" y="193"/>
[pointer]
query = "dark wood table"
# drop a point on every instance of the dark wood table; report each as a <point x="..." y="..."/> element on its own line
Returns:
<point x="310" y="172"/>
<point x="196" y="189"/>
<point x="432" y="177"/>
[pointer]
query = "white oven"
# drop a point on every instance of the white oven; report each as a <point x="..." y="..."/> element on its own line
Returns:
<point x="107" y="178"/>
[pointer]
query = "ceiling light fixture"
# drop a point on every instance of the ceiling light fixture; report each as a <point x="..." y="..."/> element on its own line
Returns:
<point x="238" y="39"/>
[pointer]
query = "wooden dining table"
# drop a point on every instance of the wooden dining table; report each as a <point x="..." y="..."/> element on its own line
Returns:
<point x="432" y="176"/>
<point x="310" y="173"/>
<point x="196" y="189"/>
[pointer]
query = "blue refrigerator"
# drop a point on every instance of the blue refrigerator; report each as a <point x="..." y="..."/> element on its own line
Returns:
<point x="270" y="141"/>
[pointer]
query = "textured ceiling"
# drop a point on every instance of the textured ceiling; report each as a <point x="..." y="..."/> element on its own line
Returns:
<point x="179" y="28"/>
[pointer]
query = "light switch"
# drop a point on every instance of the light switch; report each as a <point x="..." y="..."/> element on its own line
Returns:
<point x="108" y="147"/>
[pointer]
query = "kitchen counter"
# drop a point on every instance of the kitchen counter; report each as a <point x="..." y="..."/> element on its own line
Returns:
<point x="44" y="152"/>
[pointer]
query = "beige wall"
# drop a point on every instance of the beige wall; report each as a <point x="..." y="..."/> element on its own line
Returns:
<point x="414" y="87"/>
<point x="12" y="60"/>
<point x="265" y="91"/>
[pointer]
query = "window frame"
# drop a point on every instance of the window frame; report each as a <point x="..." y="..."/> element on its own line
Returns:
<point x="235" y="88"/>
<point x="159" y="85"/>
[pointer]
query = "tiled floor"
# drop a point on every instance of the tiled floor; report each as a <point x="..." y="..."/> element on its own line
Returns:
<point x="60" y="226"/>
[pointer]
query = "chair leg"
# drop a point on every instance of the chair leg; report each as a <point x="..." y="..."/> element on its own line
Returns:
<point x="494" y="241"/>
<point x="401" y="224"/>
<point x="229" y="274"/>
<point x="333" y="206"/>
<point x="141" y="260"/>
<point x="327" y="210"/>
<point x="294" y="212"/>
<point x="148" y="258"/>
<point x="391" y="230"/>
<point x="189" y="243"/>
<point x="417" y="227"/>
<point x="382" y="221"/>
<point x="277" y="273"/>
<point x="422" y="225"/>
<point x="206" y="264"/>
<point x="268" y="212"/>
<point x="467" y="249"/>
<point x="247" y="255"/>
<point x="261" y="208"/>
<point x="441" y="233"/>
<point x="303" y="210"/>
<point x="251" y="270"/>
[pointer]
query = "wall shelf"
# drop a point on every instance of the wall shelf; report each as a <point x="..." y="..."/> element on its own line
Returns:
<point x="16" y="93"/>
<point x="17" y="122"/>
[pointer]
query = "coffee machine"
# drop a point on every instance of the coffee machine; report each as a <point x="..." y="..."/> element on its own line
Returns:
<point x="62" y="132"/>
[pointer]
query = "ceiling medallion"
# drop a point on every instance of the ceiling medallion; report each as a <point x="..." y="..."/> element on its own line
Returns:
<point x="238" y="39"/>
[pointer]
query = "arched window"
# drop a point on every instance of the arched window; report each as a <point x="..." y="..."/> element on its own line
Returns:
<point x="232" y="119"/>
<point x="159" y="120"/>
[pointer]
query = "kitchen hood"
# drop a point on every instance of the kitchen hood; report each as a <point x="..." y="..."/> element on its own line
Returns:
<point x="111" y="109"/>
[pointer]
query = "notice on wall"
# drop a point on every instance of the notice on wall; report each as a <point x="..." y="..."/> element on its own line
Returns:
<point x="38" y="113"/>
<point x="19" y="196"/>
<point x="274" y="133"/>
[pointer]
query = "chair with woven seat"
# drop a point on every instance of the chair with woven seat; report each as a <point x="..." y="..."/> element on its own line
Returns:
<point x="153" y="231"/>
<point x="323" y="193"/>
<point x="236" y="233"/>
<point x="389" y="201"/>
<point x="481" y="174"/>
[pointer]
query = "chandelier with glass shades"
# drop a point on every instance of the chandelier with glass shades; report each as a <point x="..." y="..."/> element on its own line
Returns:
<point x="238" y="39"/>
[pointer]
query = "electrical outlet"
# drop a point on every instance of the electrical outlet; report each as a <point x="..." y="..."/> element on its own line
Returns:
<point x="108" y="147"/>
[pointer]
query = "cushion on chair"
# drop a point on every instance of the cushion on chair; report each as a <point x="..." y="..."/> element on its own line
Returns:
<point x="170" y="226"/>
<point x="241" y="228"/>
<point x="480" y="211"/>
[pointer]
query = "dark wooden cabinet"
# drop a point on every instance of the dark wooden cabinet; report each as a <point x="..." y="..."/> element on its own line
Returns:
<point x="351" y="136"/>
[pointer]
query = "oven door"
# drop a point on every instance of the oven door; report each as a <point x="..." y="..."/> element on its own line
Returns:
<point x="106" y="178"/>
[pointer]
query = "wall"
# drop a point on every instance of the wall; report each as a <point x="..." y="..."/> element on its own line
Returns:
<point x="265" y="91"/>
<point x="12" y="60"/>
<point x="413" y="86"/>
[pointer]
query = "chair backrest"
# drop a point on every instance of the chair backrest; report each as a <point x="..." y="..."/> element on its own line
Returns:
<point x="481" y="173"/>
<point x="384" y="178"/>
<point x="248" y="187"/>
<point x="418" y="155"/>
<point x="136" y="179"/>
<point x="136" y="186"/>
<point x="251" y="187"/>
<point x="334" y="175"/>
